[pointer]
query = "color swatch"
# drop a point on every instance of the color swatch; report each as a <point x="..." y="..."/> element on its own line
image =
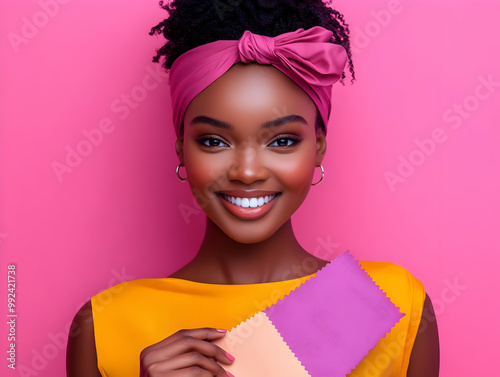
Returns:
<point x="323" y="328"/>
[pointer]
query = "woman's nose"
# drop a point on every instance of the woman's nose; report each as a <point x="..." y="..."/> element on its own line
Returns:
<point x="247" y="165"/>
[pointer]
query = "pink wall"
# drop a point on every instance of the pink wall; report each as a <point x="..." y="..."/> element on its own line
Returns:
<point x="428" y="74"/>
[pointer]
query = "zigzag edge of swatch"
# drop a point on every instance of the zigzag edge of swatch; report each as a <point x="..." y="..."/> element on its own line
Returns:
<point x="385" y="293"/>
<point x="253" y="319"/>
<point x="395" y="316"/>
<point x="380" y="288"/>
<point x="321" y="271"/>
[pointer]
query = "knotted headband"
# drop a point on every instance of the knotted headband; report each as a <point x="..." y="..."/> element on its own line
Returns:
<point x="306" y="56"/>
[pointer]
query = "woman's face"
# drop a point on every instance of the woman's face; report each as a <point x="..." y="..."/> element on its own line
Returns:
<point x="250" y="150"/>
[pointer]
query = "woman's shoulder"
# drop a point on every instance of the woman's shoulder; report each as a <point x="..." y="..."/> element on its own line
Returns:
<point x="396" y="281"/>
<point x="130" y="285"/>
<point x="130" y="288"/>
<point x="387" y="271"/>
<point x="146" y="293"/>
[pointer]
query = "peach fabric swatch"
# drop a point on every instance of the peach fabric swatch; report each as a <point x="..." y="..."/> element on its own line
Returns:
<point x="260" y="350"/>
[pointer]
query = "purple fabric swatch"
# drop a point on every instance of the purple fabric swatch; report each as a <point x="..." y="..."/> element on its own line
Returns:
<point x="335" y="318"/>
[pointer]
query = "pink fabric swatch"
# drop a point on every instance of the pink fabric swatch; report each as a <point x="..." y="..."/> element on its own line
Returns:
<point x="334" y="319"/>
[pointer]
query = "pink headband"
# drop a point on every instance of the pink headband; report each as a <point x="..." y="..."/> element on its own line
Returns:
<point x="306" y="56"/>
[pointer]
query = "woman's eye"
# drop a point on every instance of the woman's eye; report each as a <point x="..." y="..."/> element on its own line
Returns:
<point x="213" y="142"/>
<point x="283" y="142"/>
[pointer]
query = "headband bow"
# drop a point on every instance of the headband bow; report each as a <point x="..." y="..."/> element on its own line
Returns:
<point x="306" y="56"/>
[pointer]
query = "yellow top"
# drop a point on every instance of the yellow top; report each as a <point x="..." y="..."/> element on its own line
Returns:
<point x="132" y="315"/>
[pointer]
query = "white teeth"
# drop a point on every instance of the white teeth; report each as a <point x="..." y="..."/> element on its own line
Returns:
<point x="249" y="202"/>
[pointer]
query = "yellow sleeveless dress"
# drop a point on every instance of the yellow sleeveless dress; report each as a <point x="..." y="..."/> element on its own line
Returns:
<point x="132" y="315"/>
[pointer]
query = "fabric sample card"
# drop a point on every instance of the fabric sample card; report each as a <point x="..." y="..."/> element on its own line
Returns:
<point x="259" y="350"/>
<point x="323" y="328"/>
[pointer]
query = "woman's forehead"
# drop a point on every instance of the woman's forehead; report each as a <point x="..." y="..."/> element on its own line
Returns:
<point x="248" y="89"/>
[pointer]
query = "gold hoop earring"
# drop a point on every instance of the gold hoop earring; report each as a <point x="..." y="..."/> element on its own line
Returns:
<point x="182" y="179"/>
<point x="322" y="175"/>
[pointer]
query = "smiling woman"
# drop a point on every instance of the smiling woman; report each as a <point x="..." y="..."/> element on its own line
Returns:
<point x="251" y="103"/>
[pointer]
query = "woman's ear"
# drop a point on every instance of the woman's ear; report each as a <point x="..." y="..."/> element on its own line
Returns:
<point x="179" y="144"/>
<point x="320" y="147"/>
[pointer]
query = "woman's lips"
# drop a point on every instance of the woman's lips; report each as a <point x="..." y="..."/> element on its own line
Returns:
<point x="249" y="204"/>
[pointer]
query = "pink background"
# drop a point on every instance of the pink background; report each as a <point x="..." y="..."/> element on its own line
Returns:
<point x="117" y="214"/>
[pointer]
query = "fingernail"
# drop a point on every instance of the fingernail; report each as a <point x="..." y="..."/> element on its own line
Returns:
<point x="229" y="374"/>
<point x="221" y="330"/>
<point x="229" y="356"/>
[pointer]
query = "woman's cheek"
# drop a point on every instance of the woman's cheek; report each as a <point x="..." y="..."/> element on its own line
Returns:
<point x="206" y="174"/>
<point x="296" y="171"/>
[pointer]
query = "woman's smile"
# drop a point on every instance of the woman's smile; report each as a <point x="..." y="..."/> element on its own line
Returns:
<point x="248" y="204"/>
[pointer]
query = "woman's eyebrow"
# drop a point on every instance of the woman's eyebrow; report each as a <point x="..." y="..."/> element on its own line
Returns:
<point x="284" y="120"/>
<point x="211" y="121"/>
<point x="272" y="123"/>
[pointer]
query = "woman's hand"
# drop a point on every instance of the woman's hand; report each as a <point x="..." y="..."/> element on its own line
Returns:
<point x="186" y="353"/>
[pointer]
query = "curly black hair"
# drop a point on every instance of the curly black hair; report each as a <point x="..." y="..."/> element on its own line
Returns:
<point x="192" y="23"/>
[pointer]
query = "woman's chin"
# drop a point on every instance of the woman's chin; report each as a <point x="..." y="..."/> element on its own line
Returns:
<point x="248" y="233"/>
<point x="249" y="237"/>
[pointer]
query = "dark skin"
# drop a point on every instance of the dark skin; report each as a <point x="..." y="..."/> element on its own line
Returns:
<point x="236" y="157"/>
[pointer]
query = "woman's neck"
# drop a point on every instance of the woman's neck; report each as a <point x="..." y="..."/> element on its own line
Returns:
<point x="221" y="260"/>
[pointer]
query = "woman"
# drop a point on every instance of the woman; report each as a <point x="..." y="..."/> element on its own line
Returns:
<point x="250" y="129"/>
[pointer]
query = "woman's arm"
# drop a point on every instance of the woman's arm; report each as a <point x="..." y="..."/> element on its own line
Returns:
<point x="424" y="359"/>
<point x="81" y="356"/>
<point x="184" y="353"/>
